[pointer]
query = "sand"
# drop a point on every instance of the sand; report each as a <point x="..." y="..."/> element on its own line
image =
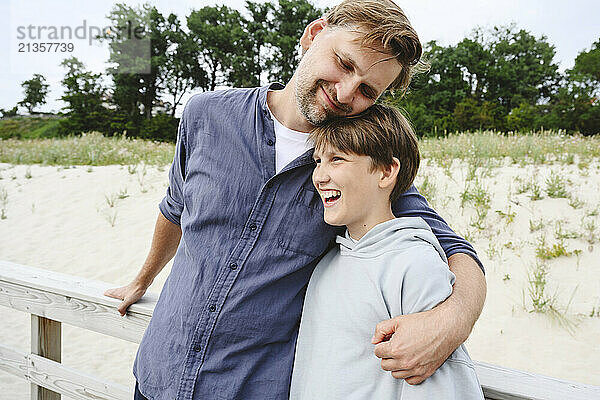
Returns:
<point x="59" y="219"/>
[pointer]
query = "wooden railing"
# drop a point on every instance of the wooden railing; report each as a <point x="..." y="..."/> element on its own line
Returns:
<point x="53" y="298"/>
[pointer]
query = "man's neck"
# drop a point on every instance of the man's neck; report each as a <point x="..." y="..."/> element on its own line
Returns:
<point x="282" y="104"/>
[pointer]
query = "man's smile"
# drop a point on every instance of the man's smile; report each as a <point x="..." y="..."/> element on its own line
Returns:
<point x="334" y="106"/>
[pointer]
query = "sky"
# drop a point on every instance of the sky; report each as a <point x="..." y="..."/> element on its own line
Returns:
<point x="571" y="26"/>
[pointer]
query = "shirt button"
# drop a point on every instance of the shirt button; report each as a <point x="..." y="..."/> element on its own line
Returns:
<point x="253" y="227"/>
<point x="270" y="142"/>
<point x="233" y="266"/>
<point x="212" y="308"/>
<point x="196" y="348"/>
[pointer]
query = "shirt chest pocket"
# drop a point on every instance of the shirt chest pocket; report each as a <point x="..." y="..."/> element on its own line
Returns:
<point x="302" y="229"/>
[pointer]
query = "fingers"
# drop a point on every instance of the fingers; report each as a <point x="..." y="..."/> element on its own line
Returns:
<point x="114" y="293"/>
<point x="414" y="380"/>
<point x="122" y="309"/>
<point x="412" y="376"/>
<point x="383" y="331"/>
<point x="384" y="351"/>
<point x="120" y="293"/>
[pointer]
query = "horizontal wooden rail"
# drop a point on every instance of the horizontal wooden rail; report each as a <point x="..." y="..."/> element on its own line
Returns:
<point x="59" y="378"/>
<point x="72" y="300"/>
<point x="80" y="302"/>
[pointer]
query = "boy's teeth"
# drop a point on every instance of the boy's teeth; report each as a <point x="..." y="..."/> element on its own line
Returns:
<point x="331" y="193"/>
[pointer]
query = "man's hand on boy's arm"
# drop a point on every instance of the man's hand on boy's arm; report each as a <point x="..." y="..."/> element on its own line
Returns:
<point x="414" y="346"/>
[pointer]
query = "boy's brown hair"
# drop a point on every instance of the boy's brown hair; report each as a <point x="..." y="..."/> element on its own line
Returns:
<point x="380" y="132"/>
<point x="382" y="25"/>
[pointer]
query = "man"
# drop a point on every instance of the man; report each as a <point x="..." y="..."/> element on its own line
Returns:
<point x="245" y="225"/>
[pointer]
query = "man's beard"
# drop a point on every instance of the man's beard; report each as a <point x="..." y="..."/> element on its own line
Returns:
<point x="306" y="100"/>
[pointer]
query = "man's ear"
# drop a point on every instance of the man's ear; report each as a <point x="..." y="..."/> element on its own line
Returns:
<point x="311" y="30"/>
<point x="389" y="173"/>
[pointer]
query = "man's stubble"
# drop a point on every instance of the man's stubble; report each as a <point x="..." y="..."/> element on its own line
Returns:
<point x="306" y="88"/>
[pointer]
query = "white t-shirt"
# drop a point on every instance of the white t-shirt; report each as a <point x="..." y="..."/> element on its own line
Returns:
<point x="289" y="144"/>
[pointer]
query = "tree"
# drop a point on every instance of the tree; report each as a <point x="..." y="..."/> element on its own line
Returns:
<point x="180" y="72"/>
<point x="290" y="17"/>
<point x="13" y="112"/>
<point x="521" y="68"/>
<point x="587" y="66"/>
<point x="576" y="105"/>
<point x="218" y="33"/>
<point x="84" y="96"/>
<point x="248" y="68"/>
<point x="478" y="82"/>
<point x="35" y="90"/>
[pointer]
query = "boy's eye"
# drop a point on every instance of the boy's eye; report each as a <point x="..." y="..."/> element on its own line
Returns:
<point x="335" y="158"/>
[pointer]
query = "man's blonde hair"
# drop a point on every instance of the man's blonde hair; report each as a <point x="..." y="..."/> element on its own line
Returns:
<point x="380" y="132"/>
<point x="382" y="25"/>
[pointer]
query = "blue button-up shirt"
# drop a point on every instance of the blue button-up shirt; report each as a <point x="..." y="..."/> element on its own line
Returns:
<point x="226" y="322"/>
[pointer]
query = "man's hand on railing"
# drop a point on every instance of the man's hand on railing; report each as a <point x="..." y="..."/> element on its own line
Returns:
<point x="129" y="294"/>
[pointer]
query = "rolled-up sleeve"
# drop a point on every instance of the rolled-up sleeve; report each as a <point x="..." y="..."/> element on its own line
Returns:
<point x="412" y="204"/>
<point x="172" y="204"/>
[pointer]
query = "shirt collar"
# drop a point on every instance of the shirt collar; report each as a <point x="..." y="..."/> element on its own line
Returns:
<point x="262" y="96"/>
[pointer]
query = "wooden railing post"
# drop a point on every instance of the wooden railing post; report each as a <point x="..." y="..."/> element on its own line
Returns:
<point x="45" y="342"/>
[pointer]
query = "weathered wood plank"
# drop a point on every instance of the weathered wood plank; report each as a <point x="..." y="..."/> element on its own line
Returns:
<point x="59" y="378"/>
<point x="500" y="383"/>
<point x="72" y="383"/>
<point x="70" y="286"/>
<point x="46" y="342"/>
<point x="13" y="362"/>
<point x="82" y="313"/>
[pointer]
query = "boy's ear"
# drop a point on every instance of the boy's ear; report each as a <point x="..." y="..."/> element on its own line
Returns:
<point x="311" y="30"/>
<point x="389" y="173"/>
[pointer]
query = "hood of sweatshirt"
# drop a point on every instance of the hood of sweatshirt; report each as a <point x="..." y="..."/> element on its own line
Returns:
<point x="395" y="234"/>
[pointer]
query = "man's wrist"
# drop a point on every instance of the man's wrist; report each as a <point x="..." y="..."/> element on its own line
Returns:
<point x="142" y="282"/>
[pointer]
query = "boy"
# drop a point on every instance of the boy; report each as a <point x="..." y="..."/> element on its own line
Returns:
<point x="383" y="267"/>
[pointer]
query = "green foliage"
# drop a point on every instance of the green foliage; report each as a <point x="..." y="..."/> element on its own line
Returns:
<point x="36" y="90"/>
<point x="587" y="67"/>
<point x="536" y="225"/>
<point x="87" y="149"/>
<point x="161" y="127"/>
<point x="522" y="118"/>
<point x="472" y="115"/>
<point x="13" y="112"/>
<point x="556" y="186"/>
<point x="545" y="252"/>
<point x="290" y="17"/>
<point x="29" y="127"/>
<point x="84" y="96"/>
<point x="428" y="189"/>
<point x="525" y="148"/>
<point x="218" y="33"/>
<point x="502" y="79"/>
<point x="179" y="70"/>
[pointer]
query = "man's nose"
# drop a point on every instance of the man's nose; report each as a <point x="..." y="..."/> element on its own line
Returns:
<point x="346" y="90"/>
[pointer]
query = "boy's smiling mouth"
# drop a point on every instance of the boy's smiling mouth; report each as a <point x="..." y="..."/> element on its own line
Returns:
<point x="330" y="197"/>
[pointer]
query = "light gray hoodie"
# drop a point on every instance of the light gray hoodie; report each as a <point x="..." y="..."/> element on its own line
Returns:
<point x="397" y="268"/>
